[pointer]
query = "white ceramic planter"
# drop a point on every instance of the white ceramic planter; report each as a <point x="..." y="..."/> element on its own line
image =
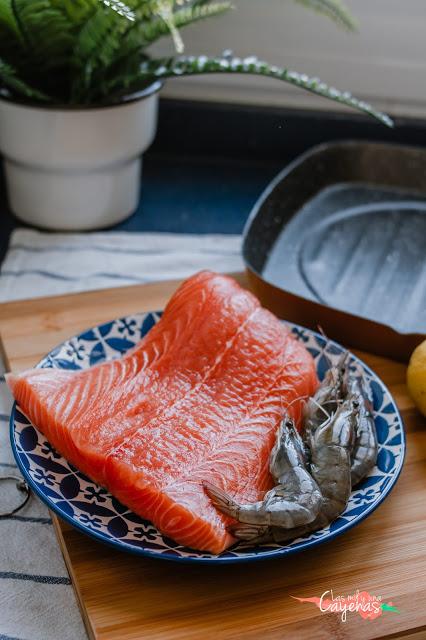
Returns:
<point x="76" y="168"/>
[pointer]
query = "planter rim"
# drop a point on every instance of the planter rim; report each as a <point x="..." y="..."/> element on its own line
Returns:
<point x="148" y="91"/>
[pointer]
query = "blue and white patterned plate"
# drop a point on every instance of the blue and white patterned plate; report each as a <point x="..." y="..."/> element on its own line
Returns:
<point x="93" y="510"/>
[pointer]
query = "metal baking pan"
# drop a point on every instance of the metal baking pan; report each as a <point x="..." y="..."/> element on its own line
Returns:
<point x="338" y="239"/>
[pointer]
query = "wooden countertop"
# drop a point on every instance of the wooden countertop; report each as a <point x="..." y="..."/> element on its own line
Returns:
<point x="124" y="597"/>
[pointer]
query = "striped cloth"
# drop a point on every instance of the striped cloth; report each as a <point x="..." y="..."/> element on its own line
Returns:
<point x="39" y="264"/>
<point x="37" y="601"/>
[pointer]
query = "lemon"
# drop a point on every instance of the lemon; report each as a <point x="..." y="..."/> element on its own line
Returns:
<point x="416" y="377"/>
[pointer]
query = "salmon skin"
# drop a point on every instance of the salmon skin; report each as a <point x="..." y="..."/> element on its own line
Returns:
<point x="198" y="399"/>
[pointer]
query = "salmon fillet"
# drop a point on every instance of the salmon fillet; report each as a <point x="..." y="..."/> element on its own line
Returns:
<point x="86" y="414"/>
<point x="199" y="398"/>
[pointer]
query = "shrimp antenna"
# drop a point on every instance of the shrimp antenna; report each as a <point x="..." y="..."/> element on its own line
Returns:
<point x="323" y="351"/>
<point x="322" y="332"/>
<point x="298" y="399"/>
<point x="305" y="397"/>
<point x="321" y="407"/>
<point x="337" y="401"/>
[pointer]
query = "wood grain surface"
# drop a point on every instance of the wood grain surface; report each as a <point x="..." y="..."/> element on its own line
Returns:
<point x="123" y="597"/>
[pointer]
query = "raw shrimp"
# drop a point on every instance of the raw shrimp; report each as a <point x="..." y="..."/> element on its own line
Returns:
<point x="294" y="501"/>
<point x="332" y="444"/>
<point x="364" y="453"/>
<point x="338" y="383"/>
<point x="327" y="397"/>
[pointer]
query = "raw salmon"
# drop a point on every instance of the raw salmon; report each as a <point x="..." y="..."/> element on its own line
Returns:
<point x="199" y="398"/>
<point x="86" y="414"/>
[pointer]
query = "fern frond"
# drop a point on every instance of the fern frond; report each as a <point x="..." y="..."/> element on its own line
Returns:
<point x="165" y="11"/>
<point x="105" y="39"/>
<point x="200" y="11"/>
<point x="143" y="9"/>
<point x="105" y="52"/>
<point x="149" y="32"/>
<point x="98" y="43"/>
<point x="8" y="19"/>
<point x="120" y="8"/>
<point x="334" y="9"/>
<point x="164" y="17"/>
<point x="76" y="11"/>
<point x="81" y="51"/>
<point x="47" y="30"/>
<point x="99" y="39"/>
<point x="10" y="80"/>
<point x="12" y="44"/>
<point x="195" y="65"/>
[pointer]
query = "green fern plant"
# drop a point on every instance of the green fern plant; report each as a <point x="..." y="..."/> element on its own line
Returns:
<point x="82" y="52"/>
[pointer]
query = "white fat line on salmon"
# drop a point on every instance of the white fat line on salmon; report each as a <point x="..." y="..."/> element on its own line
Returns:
<point x="192" y="391"/>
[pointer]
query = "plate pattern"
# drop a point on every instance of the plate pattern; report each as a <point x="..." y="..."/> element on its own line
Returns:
<point x="90" y="508"/>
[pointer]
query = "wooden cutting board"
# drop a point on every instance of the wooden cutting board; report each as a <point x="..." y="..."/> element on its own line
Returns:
<point x="123" y="597"/>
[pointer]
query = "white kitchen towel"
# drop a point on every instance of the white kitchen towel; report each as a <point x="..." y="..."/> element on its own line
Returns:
<point x="37" y="601"/>
<point x="39" y="264"/>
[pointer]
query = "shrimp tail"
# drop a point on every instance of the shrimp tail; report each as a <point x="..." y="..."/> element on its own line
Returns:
<point x="221" y="500"/>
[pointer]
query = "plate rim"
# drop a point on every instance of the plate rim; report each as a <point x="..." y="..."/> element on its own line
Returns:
<point x="120" y="545"/>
